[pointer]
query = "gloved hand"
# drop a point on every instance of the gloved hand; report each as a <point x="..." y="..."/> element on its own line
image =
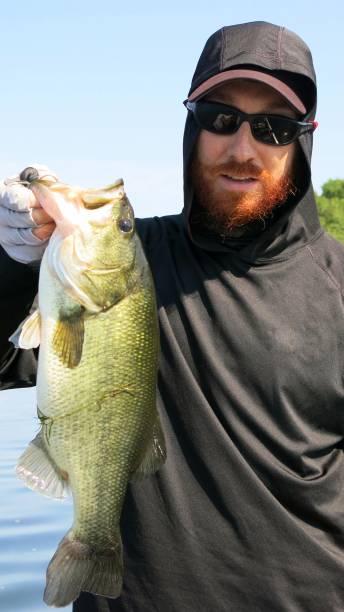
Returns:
<point x="25" y="227"/>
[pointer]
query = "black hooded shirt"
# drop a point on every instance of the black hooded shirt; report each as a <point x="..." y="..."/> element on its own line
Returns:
<point x="247" y="514"/>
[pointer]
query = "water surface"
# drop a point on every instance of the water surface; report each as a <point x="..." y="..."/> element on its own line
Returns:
<point x="31" y="525"/>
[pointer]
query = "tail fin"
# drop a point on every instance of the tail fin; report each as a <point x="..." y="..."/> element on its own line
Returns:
<point x="76" y="567"/>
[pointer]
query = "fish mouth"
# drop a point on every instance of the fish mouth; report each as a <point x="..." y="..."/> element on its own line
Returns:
<point x="91" y="199"/>
<point x="96" y="198"/>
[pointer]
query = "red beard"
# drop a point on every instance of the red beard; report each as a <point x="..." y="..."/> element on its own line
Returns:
<point x="221" y="210"/>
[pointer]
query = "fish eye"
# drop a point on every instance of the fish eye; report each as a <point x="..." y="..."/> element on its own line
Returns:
<point x="125" y="225"/>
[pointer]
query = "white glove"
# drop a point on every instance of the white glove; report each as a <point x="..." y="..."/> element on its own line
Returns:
<point x="20" y="216"/>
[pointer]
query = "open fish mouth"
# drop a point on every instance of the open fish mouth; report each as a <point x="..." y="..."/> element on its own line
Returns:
<point x="95" y="198"/>
<point x="90" y="198"/>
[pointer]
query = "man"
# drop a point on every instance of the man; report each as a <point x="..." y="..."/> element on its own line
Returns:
<point x="248" y="512"/>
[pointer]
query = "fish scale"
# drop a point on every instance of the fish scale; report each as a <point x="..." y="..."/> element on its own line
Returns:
<point x="96" y="384"/>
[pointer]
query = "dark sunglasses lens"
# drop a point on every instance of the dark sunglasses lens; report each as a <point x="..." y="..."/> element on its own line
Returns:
<point x="216" y="118"/>
<point x="222" y="119"/>
<point x="274" y="130"/>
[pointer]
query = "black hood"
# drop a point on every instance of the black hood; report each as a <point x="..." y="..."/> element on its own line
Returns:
<point x="281" y="53"/>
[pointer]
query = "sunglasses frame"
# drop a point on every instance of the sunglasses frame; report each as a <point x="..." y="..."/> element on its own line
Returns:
<point x="302" y="126"/>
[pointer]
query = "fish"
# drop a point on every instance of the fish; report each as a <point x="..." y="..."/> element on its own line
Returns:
<point x="97" y="328"/>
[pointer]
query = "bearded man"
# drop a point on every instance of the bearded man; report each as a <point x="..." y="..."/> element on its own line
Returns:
<point x="248" y="512"/>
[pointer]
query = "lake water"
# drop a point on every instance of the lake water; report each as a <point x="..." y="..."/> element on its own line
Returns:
<point x="31" y="525"/>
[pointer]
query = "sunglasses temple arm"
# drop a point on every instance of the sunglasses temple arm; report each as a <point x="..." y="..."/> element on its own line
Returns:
<point x="309" y="122"/>
<point x="309" y="126"/>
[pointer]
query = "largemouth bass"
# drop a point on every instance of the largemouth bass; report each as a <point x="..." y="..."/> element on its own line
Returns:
<point x="96" y="380"/>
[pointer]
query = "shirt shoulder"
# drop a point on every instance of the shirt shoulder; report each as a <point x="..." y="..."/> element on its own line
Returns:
<point x="153" y="231"/>
<point x="328" y="254"/>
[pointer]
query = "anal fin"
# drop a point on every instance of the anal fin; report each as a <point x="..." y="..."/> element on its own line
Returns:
<point x="39" y="471"/>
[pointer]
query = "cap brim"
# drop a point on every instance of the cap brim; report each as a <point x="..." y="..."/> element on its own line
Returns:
<point x="254" y="75"/>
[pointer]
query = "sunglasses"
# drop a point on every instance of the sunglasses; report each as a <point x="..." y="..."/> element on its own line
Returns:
<point x="269" y="129"/>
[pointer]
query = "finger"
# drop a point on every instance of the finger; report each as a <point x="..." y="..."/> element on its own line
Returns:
<point x="40" y="216"/>
<point x="23" y="218"/>
<point x="32" y="201"/>
<point x="17" y="197"/>
<point x="18" y="237"/>
<point x="43" y="171"/>
<point x="26" y="253"/>
<point x="44" y="231"/>
<point x="15" y="218"/>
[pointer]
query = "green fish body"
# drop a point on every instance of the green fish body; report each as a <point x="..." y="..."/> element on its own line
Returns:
<point x="96" y="382"/>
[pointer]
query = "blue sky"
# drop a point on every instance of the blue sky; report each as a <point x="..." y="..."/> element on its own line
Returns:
<point x="95" y="89"/>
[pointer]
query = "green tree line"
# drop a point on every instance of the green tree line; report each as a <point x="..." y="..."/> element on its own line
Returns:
<point x="331" y="207"/>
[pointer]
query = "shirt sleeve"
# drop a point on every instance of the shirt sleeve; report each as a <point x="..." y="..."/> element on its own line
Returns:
<point x="18" y="287"/>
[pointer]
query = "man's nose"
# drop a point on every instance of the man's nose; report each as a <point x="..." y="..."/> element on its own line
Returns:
<point x="242" y="143"/>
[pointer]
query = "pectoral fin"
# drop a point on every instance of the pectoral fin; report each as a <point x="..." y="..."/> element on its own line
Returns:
<point x="68" y="340"/>
<point x="28" y="334"/>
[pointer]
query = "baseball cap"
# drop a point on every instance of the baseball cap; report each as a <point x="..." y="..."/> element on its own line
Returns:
<point x="254" y="75"/>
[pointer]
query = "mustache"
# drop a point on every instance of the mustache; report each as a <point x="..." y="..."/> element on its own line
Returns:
<point x="238" y="169"/>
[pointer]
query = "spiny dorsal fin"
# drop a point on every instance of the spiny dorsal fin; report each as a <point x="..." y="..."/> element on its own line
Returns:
<point x="68" y="340"/>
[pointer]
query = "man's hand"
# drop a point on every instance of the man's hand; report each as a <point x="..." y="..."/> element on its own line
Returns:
<point x="25" y="227"/>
